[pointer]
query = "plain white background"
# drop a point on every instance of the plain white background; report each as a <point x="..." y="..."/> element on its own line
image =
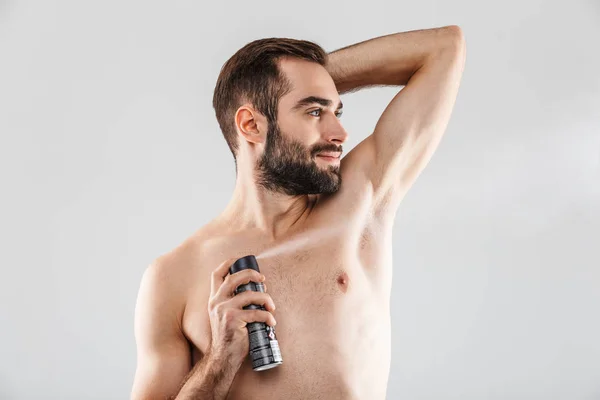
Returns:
<point x="110" y="155"/>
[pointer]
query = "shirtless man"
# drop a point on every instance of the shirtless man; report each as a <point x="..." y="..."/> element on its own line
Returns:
<point x="319" y="225"/>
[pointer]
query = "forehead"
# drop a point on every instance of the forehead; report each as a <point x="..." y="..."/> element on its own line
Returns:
<point x="308" y="79"/>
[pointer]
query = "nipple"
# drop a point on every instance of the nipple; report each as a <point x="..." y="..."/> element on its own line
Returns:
<point x="342" y="280"/>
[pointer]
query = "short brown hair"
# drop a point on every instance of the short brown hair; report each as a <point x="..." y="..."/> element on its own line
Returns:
<point x="252" y="74"/>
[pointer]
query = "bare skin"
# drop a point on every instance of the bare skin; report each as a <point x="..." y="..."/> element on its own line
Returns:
<point x="327" y="258"/>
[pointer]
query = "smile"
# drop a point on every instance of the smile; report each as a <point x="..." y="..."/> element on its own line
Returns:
<point x="329" y="158"/>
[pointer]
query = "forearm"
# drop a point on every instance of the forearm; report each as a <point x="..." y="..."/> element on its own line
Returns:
<point x="387" y="60"/>
<point x="208" y="380"/>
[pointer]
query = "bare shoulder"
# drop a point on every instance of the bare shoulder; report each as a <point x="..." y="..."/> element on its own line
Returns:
<point x="177" y="267"/>
<point x="170" y="278"/>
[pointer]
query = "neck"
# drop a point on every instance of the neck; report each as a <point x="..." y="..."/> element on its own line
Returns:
<point x="274" y="214"/>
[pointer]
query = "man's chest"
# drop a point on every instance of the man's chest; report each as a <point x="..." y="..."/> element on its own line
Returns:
<point x="321" y="287"/>
<point x="332" y="327"/>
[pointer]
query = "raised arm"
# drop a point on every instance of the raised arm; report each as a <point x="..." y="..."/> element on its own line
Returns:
<point x="429" y="63"/>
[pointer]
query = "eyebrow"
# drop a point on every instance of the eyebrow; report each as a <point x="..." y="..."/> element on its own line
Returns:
<point x="315" y="99"/>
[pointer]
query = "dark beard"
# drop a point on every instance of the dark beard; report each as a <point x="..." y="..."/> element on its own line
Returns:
<point x="287" y="166"/>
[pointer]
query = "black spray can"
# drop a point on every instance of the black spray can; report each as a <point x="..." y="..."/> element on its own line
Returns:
<point x="264" y="348"/>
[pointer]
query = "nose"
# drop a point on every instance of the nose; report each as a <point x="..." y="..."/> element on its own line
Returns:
<point x="336" y="132"/>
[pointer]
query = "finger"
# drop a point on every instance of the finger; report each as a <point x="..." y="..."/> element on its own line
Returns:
<point x="232" y="281"/>
<point x="218" y="275"/>
<point x="250" y="297"/>
<point x="249" y="316"/>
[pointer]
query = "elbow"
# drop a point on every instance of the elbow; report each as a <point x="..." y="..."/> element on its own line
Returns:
<point x="453" y="44"/>
<point x="454" y="33"/>
<point x="456" y="38"/>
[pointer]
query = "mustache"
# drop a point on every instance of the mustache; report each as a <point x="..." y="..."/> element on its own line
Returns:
<point x="326" y="147"/>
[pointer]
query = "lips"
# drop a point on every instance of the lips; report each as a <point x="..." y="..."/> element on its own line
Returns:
<point x="330" y="154"/>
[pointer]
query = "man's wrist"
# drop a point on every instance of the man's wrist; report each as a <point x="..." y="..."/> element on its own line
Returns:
<point x="211" y="379"/>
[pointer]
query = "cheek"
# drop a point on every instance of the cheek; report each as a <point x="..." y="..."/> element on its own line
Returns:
<point x="301" y="132"/>
<point x="306" y="138"/>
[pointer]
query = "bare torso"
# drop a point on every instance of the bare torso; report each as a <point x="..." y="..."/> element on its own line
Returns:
<point x="330" y="274"/>
<point x="330" y="281"/>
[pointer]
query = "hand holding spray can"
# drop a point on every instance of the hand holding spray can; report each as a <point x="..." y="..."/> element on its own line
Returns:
<point x="264" y="348"/>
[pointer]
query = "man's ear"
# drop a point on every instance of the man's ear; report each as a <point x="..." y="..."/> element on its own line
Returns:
<point x="251" y="124"/>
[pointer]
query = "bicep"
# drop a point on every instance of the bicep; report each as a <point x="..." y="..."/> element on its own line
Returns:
<point x="163" y="354"/>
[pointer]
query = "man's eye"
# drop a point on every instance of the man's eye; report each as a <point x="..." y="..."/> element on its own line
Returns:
<point x="320" y="110"/>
